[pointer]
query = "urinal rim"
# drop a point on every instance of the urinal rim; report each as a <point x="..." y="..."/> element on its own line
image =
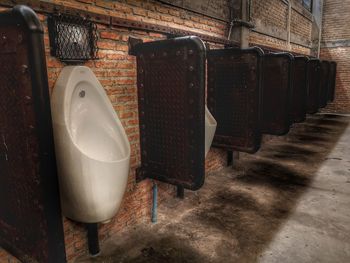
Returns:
<point x="62" y="84"/>
<point x="212" y="121"/>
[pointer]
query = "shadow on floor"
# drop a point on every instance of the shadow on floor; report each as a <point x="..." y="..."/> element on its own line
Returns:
<point x="237" y="213"/>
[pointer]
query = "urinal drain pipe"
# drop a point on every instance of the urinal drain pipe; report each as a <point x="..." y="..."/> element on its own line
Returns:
<point x="154" y="206"/>
<point x="229" y="158"/>
<point x="93" y="242"/>
<point x="180" y="192"/>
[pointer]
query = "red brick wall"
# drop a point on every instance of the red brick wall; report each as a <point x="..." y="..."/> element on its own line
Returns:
<point x="271" y="20"/>
<point x="116" y="71"/>
<point x="300" y="25"/>
<point x="261" y="39"/>
<point x="341" y="55"/>
<point x="270" y="12"/>
<point x="336" y="21"/>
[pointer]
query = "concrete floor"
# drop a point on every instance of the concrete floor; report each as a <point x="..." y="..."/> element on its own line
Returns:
<point x="290" y="202"/>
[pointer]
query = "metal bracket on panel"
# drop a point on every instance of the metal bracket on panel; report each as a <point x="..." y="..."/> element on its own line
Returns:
<point x="180" y="192"/>
<point x="232" y="156"/>
<point x="229" y="158"/>
<point x="172" y="35"/>
<point x="231" y="46"/>
<point x="132" y="43"/>
<point x="139" y="175"/>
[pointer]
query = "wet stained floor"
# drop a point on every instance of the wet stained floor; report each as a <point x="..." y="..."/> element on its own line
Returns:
<point x="290" y="202"/>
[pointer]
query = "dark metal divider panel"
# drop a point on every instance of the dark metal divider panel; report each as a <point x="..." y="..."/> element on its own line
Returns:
<point x="234" y="81"/>
<point x="276" y="92"/>
<point x="299" y="95"/>
<point x="30" y="219"/>
<point x="333" y="76"/>
<point x="324" y="86"/>
<point x="313" y="75"/>
<point x="170" y="79"/>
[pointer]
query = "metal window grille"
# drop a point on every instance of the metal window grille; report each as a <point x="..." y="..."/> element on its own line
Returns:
<point x="72" y="38"/>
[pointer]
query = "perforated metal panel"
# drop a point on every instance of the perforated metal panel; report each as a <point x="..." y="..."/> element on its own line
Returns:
<point x="170" y="77"/>
<point x="234" y="85"/>
<point x="324" y="83"/>
<point x="276" y="92"/>
<point x="30" y="218"/>
<point x="332" y="79"/>
<point x="313" y="75"/>
<point x="299" y="94"/>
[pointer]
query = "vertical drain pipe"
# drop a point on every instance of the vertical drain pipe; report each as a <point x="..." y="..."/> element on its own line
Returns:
<point x="154" y="206"/>
<point x="93" y="242"/>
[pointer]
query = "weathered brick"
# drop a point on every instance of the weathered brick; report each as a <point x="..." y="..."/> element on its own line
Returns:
<point x="109" y="35"/>
<point x="105" y="64"/>
<point x="174" y="12"/>
<point x="121" y="7"/>
<point x="105" y="4"/>
<point x="336" y="21"/>
<point x="86" y="1"/>
<point x="122" y="47"/>
<point x="106" y="45"/>
<point x="166" y="18"/>
<point x="153" y="15"/>
<point x="156" y="35"/>
<point x="53" y="63"/>
<point x="162" y="9"/>
<point x="139" y="11"/>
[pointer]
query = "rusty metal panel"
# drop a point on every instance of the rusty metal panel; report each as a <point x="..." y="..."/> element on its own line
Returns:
<point x="313" y="75"/>
<point x="171" y="92"/>
<point x="299" y="94"/>
<point x="324" y="85"/>
<point x="234" y="86"/>
<point x="276" y="92"/>
<point x="30" y="219"/>
<point x="332" y="79"/>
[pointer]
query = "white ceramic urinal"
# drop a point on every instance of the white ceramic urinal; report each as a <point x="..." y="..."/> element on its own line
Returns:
<point x="210" y="127"/>
<point x="92" y="149"/>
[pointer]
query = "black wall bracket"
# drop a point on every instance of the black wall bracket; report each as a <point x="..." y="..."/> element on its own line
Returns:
<point x="132" y="43"/>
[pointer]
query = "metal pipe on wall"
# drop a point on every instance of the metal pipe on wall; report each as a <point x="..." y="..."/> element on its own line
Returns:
<point x="93" y="241"/>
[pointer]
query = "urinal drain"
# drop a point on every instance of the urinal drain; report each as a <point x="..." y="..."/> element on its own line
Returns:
<point x="82" y="94"/>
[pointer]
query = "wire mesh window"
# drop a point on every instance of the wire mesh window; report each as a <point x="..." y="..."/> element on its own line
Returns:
<point x="72" y="38"/>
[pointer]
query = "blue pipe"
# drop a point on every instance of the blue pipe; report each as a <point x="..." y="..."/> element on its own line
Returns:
<point x="154" y="206"/>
